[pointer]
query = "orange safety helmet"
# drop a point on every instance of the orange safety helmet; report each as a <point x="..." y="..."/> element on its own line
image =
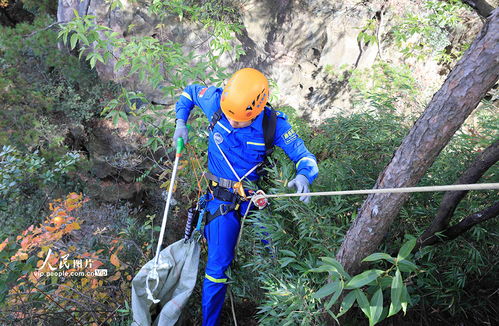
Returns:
<point x="245" y="95"/>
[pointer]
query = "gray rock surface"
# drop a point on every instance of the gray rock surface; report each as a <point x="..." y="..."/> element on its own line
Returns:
<point x="295" y="43"/>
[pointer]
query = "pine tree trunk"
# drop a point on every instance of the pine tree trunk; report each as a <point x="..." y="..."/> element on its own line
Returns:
<point x="460" y="94"/>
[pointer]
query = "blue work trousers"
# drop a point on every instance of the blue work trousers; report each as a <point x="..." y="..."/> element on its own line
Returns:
<point x="221" y="235"/>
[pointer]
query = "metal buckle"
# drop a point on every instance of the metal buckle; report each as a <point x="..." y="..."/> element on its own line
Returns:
<point x="225" y="208"/>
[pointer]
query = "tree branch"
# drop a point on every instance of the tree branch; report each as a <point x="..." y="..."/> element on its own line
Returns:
<point x="482" y="7"/>
<point x="379" y="28"/>
<point x="486" y="159"/>
<point x="463" y="226"/>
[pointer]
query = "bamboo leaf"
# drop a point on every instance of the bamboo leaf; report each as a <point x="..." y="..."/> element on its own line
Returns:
<point x="396" y="293"/>
<point x="406" y="249"/>
<point x="286" y="261"/>
<point x="336" y="294"/>
<point x="405" y="299"/>
<point x="92" y="62"/>
<point x="288" y="252"/>
<point x="326" y="290"/>
<point x="406" y="266"/>
<point x="379" y="256"/>
<point x="363" y="302"/>
<point x="347" y="303"/>
<point x="74" y="39"/>
<point x="376" y="307"/>
<point x="333" y="262"/>
<point x="115" y="118"/>
<point x="363" y="278"/>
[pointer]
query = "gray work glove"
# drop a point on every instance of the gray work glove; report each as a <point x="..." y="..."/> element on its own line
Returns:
<point x="301" y="184"/>
<point x="180" y="131"/>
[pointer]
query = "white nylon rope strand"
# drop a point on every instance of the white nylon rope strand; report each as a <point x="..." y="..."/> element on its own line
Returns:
<point x="232" y="169"/>
<point x="460" y="187"/>
<point x="228" y="163"/>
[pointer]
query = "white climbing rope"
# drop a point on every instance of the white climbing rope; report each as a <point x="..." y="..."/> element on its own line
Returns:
<point x="460" y="187"/>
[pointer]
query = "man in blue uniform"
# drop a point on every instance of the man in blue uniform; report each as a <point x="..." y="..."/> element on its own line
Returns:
<point x="236" y="150"/>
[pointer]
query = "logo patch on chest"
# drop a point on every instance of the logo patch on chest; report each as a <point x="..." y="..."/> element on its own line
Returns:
<point x="217" y="137"/>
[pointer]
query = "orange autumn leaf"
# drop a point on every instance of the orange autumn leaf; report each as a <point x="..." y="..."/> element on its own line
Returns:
<point x="54" y="208"/>
<point x="74" y="195"/>
<point x="115" y="277"/>
<point x="96" y="264"/>
<point x="4" y="244"/>
<point x="21" y="256"/>
<point x="60" y="213"/>
<point x="94" y="283"/>
<point x="50" y="229"/>
<point x="74" y="226"/>
<point x="114" y="260"/>
<point x="37" y="231"/>
<point x="58" y="220"/>
<point x="26" y="242"/>
<point x="33" y="278"/>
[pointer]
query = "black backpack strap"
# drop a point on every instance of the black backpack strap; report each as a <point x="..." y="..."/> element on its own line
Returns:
<point x="269" y="125"/>
<point x="214" y="119"/>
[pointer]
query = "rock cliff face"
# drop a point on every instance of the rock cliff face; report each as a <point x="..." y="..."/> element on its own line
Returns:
<point x="295" y="43"/>
<point x="304" y="46"/>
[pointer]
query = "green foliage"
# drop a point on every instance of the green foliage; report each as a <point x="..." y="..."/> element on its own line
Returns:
<point x="341" y="73"/>
<point x="367" y="34"/>
<point x="42" y="88"/>
<point x="426" y="34"/>
<point x="43" y="91"/>
<point x="299" y="235"/>
<point x="163" y="65"/>
<point x="384" y="87"/>
<point x="463" y="269"/>
<point x="219" y="19"/>
<point x="40" y="7"/>
<point x="26" y="175"/>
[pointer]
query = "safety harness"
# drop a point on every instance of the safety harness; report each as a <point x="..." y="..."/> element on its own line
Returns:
<point x="220" y="188"/>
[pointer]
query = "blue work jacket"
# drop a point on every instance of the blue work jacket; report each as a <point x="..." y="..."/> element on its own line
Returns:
<point x="243" y="147"/>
